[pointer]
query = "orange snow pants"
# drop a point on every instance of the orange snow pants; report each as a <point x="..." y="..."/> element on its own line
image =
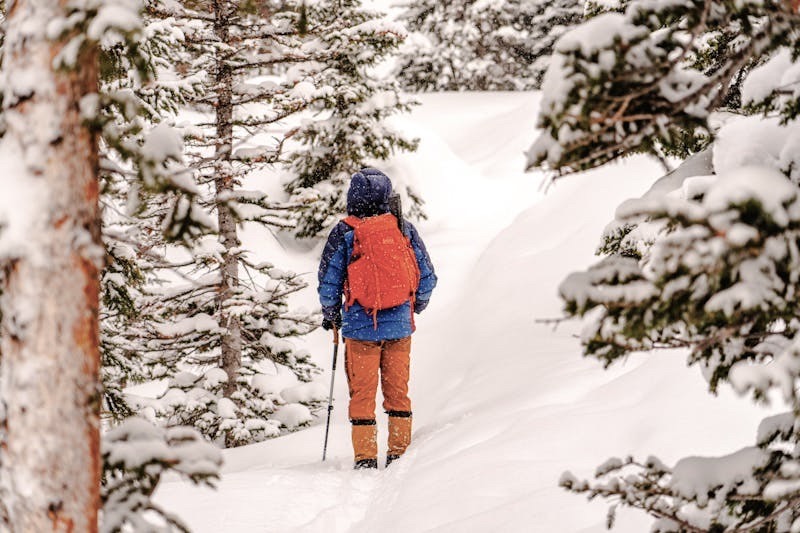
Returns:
<point x="364" y="361"/>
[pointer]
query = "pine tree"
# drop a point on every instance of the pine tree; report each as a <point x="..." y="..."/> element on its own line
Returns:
<point x="703" y="262"/>
<point x="476" y="45"/>
<point x="214" y="316"/>
<point x="55" y="172"/>
<point x="350" y="106"/>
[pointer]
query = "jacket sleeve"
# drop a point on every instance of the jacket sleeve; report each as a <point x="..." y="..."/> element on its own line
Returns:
<point x="427" y="274"/>
<point x="333" y="268"/>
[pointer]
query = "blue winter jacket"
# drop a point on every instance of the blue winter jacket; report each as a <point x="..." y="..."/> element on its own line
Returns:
<point x="369" y="196"/>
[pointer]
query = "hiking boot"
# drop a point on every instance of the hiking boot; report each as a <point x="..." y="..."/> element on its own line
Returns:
<point x="366" y="464"/>
<point x="391" y="458"/>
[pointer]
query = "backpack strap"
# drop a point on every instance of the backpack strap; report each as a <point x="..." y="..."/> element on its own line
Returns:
<point x="352" y="221"/>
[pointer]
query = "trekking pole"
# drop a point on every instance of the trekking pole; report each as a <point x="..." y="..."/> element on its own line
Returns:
<point x="330" y="396"/>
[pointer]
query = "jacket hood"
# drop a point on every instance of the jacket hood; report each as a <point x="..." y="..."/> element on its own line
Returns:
<point x="369" y="193"/>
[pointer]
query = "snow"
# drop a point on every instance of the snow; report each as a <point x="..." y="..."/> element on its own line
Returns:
<point x="121" y="16"/>
<point x="268" y="384"/>
<point x="379" y="26"/>
<point x="503" y="405"/>
<point x="780" y="72"/>
<point x="163" y="143"/>
<point x="767" y="186"/>
<point x="757" y="141"/>
<point x="781" y="423"/>
<point x="20" y="204"/>
<point x="226" y="408"/>
<point x="697" y="476"/>
<point x="579" y="286"/>
<point x="304" y="90"/>
<point x="214" y="377"/>
<point x="201" y="322"/>
<point x="137" y="442"/>
<point x="599" y="33"/>
<point x="305" y="392"/>
<point x="293" y="415"/>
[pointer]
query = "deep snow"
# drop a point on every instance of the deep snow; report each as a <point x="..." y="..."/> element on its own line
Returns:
<point x="503" y="404"/>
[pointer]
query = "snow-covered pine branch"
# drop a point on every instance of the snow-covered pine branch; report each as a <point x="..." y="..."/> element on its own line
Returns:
<point x="626" y="82"/>
<point x="720" y="280"/>
<point x="136" y="455"/>
<point x="748" y="490"/>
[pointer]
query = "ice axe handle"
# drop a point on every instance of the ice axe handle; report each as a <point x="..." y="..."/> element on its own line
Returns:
<point x="396" y="208"/>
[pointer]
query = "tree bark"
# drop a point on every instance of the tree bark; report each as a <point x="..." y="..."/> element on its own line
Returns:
<point x="231" y="345"/>
<point x="49" y="383"/>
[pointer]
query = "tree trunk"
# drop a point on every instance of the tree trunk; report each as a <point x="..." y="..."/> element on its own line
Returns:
<point x="231" y="346"/>
<point x="49" y="384"/>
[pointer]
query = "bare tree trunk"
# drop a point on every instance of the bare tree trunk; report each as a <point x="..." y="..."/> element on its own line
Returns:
<point x="224" y="180"/>
<point x="49" y="385"/>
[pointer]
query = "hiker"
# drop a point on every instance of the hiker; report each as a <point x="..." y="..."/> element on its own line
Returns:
<point x="388" y="280"/>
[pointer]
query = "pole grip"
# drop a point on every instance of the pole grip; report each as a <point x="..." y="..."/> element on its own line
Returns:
<point x="335" y="335"/>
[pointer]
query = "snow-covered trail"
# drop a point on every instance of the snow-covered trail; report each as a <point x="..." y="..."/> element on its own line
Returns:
<point x="502" y="404"/>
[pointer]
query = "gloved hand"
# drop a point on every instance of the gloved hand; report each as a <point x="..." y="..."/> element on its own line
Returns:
<point x="332" y="317"/>
<point x="420" y="305"/>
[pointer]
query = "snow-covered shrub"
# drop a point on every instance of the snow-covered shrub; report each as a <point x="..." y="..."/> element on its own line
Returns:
<point x="257" y="410"/>
<point x="136" y="455"/>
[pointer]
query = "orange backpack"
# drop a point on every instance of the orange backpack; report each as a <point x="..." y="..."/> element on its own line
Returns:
<point x="383" y="270"/>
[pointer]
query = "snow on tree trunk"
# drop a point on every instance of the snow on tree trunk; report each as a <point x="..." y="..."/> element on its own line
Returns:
<point x="50" y="247"/>
<point x="231" y="345"/>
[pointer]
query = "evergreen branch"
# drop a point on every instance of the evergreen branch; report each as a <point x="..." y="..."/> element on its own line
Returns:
<point x="269" y="62"/>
